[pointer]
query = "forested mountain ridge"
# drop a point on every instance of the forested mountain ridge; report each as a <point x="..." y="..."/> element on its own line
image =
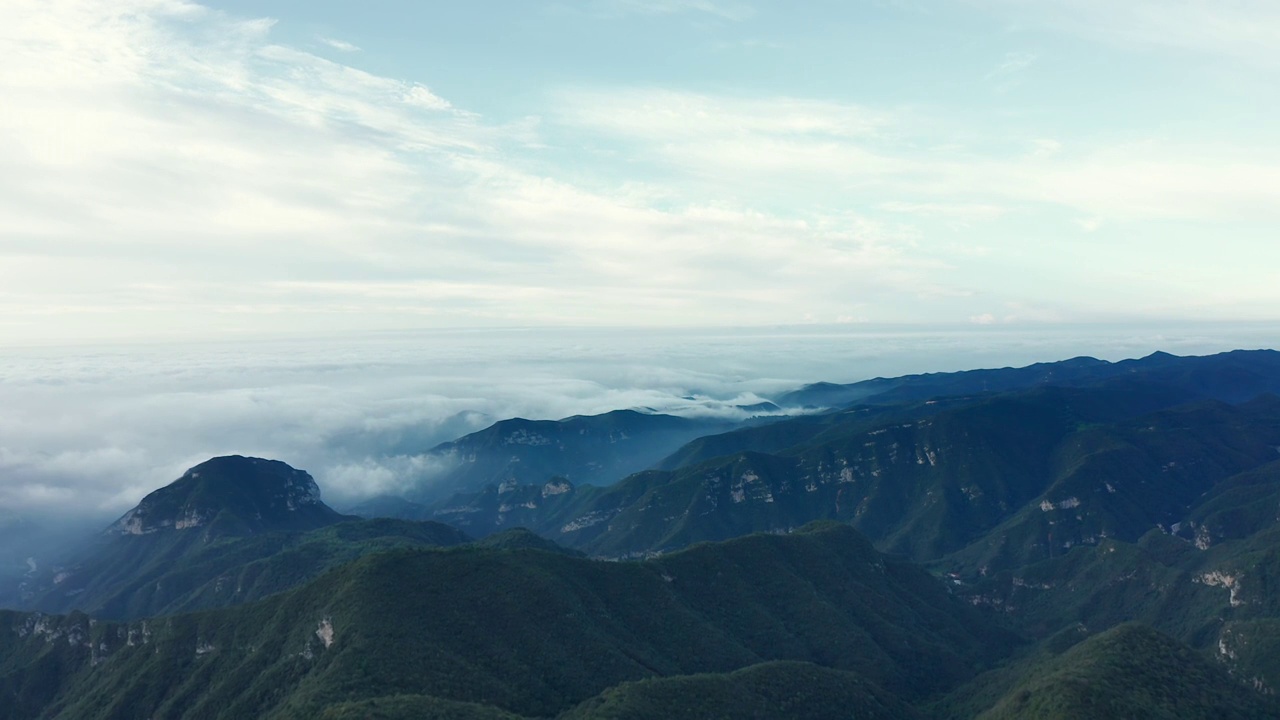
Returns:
<point x="522" y="630"/>
<point x="988" y="553"/>
<point x="929" y="484"/>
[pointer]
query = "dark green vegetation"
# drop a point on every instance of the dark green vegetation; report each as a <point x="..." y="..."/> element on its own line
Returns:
<point x="133" y="577"/>
<point x="526" y="631"/>
<point x="760" y="692"/>
<point x="521" y="538"/>
<point x="1129" y="672"/>
<point x="1077" y="539"/>
<point x="413" y="707"/>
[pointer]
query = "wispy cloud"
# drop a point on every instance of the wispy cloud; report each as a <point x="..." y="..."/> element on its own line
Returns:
<point x="1009" y="73"/>
<point x="766" y="147"/>
<point x="266" y="185"/>
<point x="663" y="114"/>
<point x="340" y="45"/>
<point x="954" y="211"/>
<point x="1045" y="147"/>
<point x="1247" y="30"/>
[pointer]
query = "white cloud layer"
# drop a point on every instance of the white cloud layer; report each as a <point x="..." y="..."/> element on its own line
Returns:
<point x="87" y="432"/>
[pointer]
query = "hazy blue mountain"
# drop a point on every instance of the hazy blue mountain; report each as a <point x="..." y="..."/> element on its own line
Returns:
<point x="29" y="547"/>
<point x="390" y="506"/>
<point x="597" y="449"/>
<point x="13" y="525"/>
<point x="766" y="438"/>
<point x="497" y="496"/>
<point x="1233" y="377"/>
<point x="17" y="534"/>
<point x="229" y="530"/>
<point x="172" y="567"/>
<point x="20" y="540"/>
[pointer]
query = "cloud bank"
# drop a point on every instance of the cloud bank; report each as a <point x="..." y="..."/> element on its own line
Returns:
<point x="86" y="432"/>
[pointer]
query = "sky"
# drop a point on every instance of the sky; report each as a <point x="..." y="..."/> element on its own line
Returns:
<point x="177" y="170"/>
<point x="338" y="233"/>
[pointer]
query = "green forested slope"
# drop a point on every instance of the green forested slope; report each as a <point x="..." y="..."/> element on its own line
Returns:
<point x="1132" y="672"/>
<point x="135" y="576"/>
<point x="527" y="631"/>
<point x="759" y="692"/>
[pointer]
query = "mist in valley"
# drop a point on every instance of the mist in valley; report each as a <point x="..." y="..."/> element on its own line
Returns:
<point x="88" y="431"/>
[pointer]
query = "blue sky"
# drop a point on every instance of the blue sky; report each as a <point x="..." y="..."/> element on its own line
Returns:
<point x="173" y="169"/>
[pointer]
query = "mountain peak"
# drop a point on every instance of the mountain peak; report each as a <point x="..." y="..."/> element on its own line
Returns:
<point x="231" y="495"/>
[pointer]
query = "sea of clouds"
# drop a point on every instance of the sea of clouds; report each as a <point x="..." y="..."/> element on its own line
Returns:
<point x="85" y="432"/>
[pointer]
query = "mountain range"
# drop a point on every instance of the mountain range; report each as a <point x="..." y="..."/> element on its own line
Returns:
<point x="598" y="449"/>
<point x="1075" y="539"/>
